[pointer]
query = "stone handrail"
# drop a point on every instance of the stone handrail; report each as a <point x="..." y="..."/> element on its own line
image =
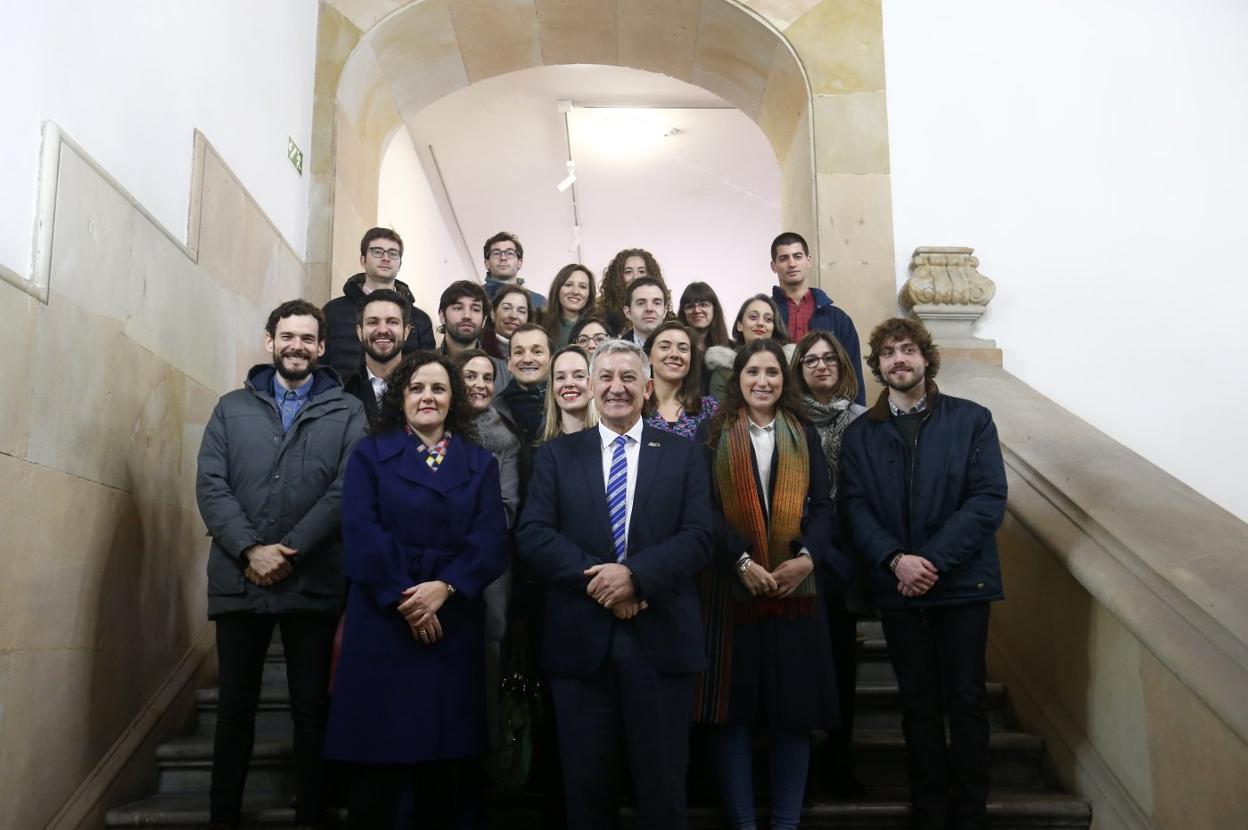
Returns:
<point x="1168" y="563"/>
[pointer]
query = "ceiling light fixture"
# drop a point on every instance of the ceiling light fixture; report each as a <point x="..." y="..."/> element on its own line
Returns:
<point x="568" y="180"/>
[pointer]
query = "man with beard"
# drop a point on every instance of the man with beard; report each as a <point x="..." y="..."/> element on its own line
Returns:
<point x="382" y="328"/>
<point x="462" y="310"/>
<point x="381" y="257"/>
<point x="923" y="492"/>
<point x="269" y="485"/>
<point x="617" y="525"/>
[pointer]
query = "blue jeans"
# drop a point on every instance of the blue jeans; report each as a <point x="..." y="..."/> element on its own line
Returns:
<point x="789" y="756"/>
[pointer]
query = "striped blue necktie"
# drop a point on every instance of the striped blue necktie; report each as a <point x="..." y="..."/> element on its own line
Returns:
<point x="617" y="497"/>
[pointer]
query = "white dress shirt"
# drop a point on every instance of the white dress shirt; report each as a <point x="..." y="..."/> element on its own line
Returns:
<point x="764" y="440"/>
<point x="632" y="451"/>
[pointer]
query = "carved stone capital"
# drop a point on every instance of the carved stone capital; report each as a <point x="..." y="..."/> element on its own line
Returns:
<point x="946" y="291"/>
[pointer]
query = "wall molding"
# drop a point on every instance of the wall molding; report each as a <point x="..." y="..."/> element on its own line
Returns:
<point x="85" y="805"/>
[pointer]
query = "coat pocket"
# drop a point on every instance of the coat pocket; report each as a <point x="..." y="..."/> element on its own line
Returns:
<point x="225" y="579"/>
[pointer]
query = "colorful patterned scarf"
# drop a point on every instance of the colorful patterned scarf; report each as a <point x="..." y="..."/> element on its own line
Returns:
<point x="771" y="542"/>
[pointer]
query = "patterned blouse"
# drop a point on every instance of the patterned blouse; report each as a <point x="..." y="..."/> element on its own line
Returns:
<point x="686" y="425"/>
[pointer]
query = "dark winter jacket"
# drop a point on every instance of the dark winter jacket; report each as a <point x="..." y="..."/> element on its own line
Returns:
<point x="832" y="319"/>
<point x="949" y="511"/>
<point x="343" y="350"/>
<point x="359" y="386"/>
<point x="258" y="485"/>
<point x="537" y="302"/>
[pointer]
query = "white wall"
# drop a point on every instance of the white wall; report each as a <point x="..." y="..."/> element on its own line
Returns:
<point x="1094" y="155"/>
<point x="405" y="201"/>
<point x="130" y="80"/>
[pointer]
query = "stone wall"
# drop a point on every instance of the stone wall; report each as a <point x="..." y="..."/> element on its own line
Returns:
<point x="107" y="389"/>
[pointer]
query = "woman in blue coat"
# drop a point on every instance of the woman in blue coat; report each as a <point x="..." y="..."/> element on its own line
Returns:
<point x="424" y="531"/>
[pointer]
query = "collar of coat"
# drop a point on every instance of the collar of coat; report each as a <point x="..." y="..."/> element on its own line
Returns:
<point x="880" y="411"/>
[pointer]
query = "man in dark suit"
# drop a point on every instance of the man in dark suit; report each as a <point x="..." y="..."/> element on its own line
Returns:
<point x="617" y="524"/>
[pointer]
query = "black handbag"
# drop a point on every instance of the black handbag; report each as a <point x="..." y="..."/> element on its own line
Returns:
<point x="520" y="713"/>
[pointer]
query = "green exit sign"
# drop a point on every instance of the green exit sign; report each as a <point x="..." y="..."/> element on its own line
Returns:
<point x="295" y="155"/>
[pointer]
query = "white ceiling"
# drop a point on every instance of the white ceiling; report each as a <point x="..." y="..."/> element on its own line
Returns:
<point x="698" y="185"/>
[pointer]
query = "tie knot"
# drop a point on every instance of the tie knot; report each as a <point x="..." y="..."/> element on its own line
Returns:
<point x="621" y="441"/>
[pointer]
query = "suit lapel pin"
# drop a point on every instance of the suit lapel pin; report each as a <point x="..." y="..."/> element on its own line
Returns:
<point x="653" y="444"/>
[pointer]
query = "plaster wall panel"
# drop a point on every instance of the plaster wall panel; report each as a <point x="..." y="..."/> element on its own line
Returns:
<point x="781" y="13"/>
<point x="18" y="313"/>
<point x="577" y="31"/>
<point x="841" y="43"/>
<point x="236" y="243"/>
<point x="785" y="100"/>
<point x="365" y="96"/>
<point x="1198" y="765"/>
<point x="851" y="133"/>
<point x="420" y="51"/>
<point x="660" y="36"/>
<point x="94" y="228"/>
<point x="496" y="36"/>
<point x="733" y="57"/>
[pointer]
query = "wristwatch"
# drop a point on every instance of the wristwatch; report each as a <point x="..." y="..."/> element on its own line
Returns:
<point x="450" y="589"/>
<point x="743" y="564"/>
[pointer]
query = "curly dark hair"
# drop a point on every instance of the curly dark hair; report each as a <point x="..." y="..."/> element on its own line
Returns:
<point x="613" y="286"/>
<point x="459" y="417"/>
<point x="733" y="406"/>
<point x="903" y="328"/>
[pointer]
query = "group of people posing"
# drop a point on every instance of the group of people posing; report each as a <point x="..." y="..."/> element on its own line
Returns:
<point x="672" y="520"/>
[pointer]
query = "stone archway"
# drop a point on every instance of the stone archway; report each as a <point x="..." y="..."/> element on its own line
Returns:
<point x="815" y="89"/>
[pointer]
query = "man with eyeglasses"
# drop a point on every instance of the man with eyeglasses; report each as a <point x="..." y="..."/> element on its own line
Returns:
<point x="381" y="256"/>
<point x="804" y="308"/>
<point x="503" y="257"/>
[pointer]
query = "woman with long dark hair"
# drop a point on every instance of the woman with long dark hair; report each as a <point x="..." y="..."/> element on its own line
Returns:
<point x="758" y="319"/>
<point x="424" y="532"/>
<point x="677" y="404"/>
<point x="572" y="298"/>
<point x="700" y="311"/>
<point x="770" y="661"/>
<point x="510" y="312"/>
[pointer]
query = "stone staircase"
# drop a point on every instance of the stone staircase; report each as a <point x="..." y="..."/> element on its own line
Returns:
<point x="1021" y="797"/>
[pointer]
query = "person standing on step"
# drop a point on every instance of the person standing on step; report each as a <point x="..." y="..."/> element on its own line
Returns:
<point x="269" y="486"/>
<point x="462" y="311"/>
<point x="381" y="256"/>
<point x="504" y="257"/>
<point x="923" y="492"/>
<point x="646" y="305"/>
<point x="804" y="308"/>
<point x="617" y="524"/>
<point x="523" y="400"/>
<point x="382" y="327"/>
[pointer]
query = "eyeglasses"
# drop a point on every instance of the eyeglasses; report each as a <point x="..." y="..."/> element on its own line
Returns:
<point x="811" y="361"/>
<point x="497" y="253"/>
<point x="702" y="304"/>
<point x="386" y="253"/>
<point x="586" y="339"/>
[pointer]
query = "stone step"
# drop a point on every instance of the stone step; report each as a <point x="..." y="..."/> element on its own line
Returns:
<point x="185" y="765"/>
<point x="1006" y="811"/>
<point x="873" y="662"/>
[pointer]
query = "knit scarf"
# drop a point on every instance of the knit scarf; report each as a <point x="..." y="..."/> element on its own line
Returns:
<point x="830" y="421"/>
<point x="771" y="542"/>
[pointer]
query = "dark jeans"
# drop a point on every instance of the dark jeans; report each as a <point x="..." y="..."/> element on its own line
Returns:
<point x="938" y="654"/>
<point x="442" y="794"/>
<point x="626" y="701"/>
<point x="788" y="753"/>
<point x="242" y="641"/>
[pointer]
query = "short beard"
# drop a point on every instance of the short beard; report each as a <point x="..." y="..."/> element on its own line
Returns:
<point x="294" y="376"/>
<point x="378" y="356"/>
<point x="454" y="334"/>
<point x="903" y="389"/>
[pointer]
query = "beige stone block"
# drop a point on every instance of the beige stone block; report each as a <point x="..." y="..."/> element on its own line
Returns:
<point x="1199" y="766"/>
<point x="366" y="13"/>
<point x="496" y="36"/>
<point x="797" y="185"/>
<point x="841" y="44"/>
<point x="18" y="313"/>
<point x="856" y="219"/>
<point x="320" y="158"/>
<point x="368" y="99"/>
<point x="851" y="133"/>
<point x="659" y="36"/>
<point x="866" y="292"/>
<point x="786" y="100"/>
<point x="92" y="241"/>
<point x="419" y="55"/>
<point x="237" y="243"/>
<point x="577" y="31"/>
<point x="781" y="13"/>
<point x="733" y="57"/>
<point x="349" y="225"/>
<point x="336" y="35"/>
<point x="320" y="217"/>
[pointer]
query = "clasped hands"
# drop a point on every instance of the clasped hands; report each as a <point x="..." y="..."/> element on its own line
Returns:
<point x="778" y="583"/>
<point x="268" y="564"/>
<point x="420" y="609"/>
<point x="611" y="586"/>
<point x="915" y="575"/>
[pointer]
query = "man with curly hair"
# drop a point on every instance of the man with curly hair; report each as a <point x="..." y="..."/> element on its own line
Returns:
<point x="923" y="493"/>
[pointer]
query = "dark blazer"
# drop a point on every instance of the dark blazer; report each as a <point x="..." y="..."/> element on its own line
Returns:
<point x="564" y="529"/>
<point x="949" y="511"/>
<point x="395" y="700"/>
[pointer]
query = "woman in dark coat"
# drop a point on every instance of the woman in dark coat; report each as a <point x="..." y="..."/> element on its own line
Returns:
<point x="424" y="532"/>
<point x="770" y="659"/>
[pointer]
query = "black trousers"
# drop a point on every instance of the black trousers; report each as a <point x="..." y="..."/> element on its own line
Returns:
<point x="843" y="628"/>
<point x="439" y="795"/>
<point x="242" y="641"/>
<point x="625" y="702"/>
<point x="938" y="654"/>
